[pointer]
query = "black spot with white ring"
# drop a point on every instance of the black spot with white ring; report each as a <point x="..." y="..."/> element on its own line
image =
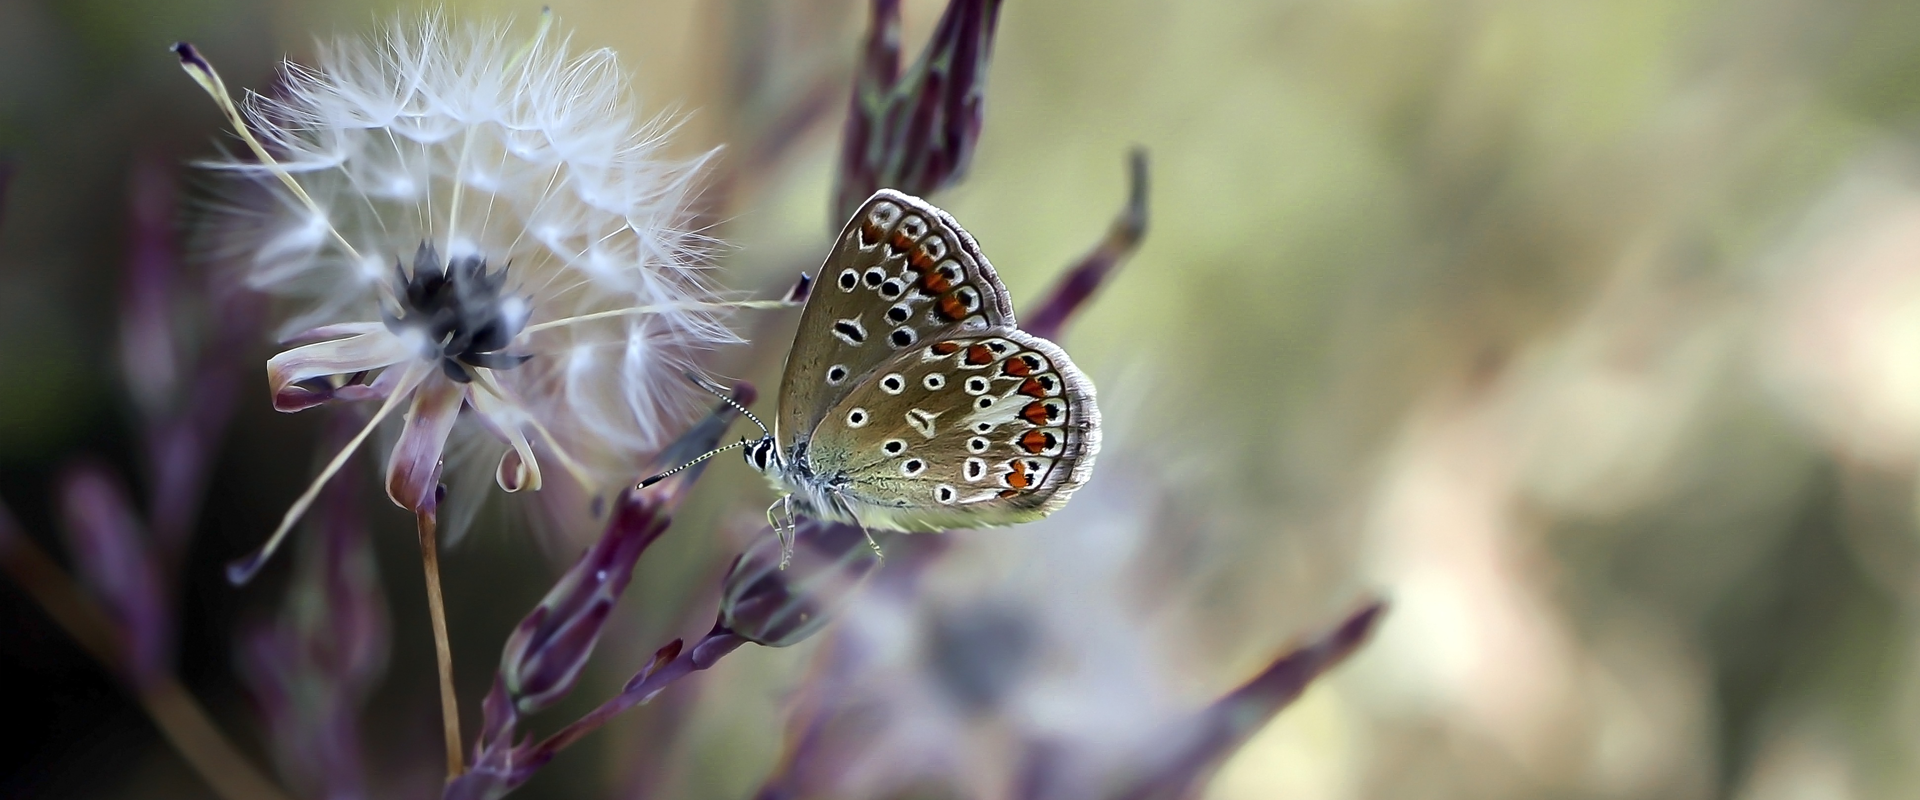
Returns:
<point x="934" y="381"/>
<point x="850" y="331"/>
<point x="983" y="427"/>
<point x="836" y="375"/>
<point x="976" y="468"/>
<point x="848" y="280"/>
<point x="978" y="385"/>
<point x="903" y="337"/>
<point x="857" y="418"/>
<point x="899" y="313"/>
<point x="893" y="384"/>
<point x="894" y="447"/>
<point x="945" y="493"/>
<point x="874" y="276"/>
<point x="934" y="249"/>
<point x="912" y="467"/>
<point x="892" y="288"/>
<point x="984" y="402"/>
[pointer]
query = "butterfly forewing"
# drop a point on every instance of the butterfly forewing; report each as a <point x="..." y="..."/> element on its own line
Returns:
<point x="901" y="276"/>
<point x="984" y="428"/>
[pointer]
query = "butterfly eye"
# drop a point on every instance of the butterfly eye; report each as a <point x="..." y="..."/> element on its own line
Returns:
<point x="912" y="467"/>
<point x="836" y="375"/>
<point x="848" y="280"/>
<point x="857" y="418"/>
<point x="935" y="381"/>
<point x="893" y="384"/>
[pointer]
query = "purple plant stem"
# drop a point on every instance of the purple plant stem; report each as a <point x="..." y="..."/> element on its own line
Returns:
<point x="312" y="670"/>
<point x="916" y="132"/>
<point x="644" y="685"/>
<point x="185" y="395"/>
<point x="543" y="658"/>
<point x="1227" y="724"/>
<point x="1093" y="270"/>
<point x="117" y="561"/>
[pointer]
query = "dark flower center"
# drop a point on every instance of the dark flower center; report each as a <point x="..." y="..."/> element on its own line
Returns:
<point x="461" y="309"/>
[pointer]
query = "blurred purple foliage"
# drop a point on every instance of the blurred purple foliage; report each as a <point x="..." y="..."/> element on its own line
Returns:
<point x="312" y="669"/>
<point x="116" y="561"/>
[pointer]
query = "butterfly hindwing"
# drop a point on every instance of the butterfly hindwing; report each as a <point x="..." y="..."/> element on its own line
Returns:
<point x="902" y="274"/>
<point x="987" y="428"/>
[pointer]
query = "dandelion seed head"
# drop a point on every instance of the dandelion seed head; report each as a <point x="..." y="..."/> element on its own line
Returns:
<point x="474" y="228"/>
<point x="502" y="148"/>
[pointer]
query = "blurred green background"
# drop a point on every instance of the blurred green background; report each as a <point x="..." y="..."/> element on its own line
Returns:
<point x="1588" y="333"/>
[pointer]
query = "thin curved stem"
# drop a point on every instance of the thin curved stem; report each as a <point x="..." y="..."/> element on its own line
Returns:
<point x="443" y="651"/>
<point x="180" y="718"/>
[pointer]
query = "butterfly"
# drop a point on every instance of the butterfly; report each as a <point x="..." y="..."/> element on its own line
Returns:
<point x="911" y="401"/>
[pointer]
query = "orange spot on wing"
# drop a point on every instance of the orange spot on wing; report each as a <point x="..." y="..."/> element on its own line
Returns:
<point x="935" y="283"/>
<point x="1017" y="367"/>
<point x="919" y="261"/>
<point x="945" y="348"/>
<point x="1006" y="493"/>
<point x="1036" y="413"/>
<point x="1036" y="442"/>
<point x="900" y="241"/>
<point x="1033" y="388"/>
<point x="1019" y="477"/>
<point x="950" y="307"/>
<point x="979" y="356"/>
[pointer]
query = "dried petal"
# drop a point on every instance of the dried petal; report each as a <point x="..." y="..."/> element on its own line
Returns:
<point x="413" y="470"/>
<point x="290" y="375"/>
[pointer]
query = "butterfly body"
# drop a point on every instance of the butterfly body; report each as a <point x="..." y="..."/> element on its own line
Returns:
<point x="911" y="400"/>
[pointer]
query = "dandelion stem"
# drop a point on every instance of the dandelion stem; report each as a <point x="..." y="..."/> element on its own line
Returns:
<point x="179" y="716"/>
<point x="443" y="652"/>
<point x="243" y="570"/>
<point x="638" y="311"/>
<point x="202" y="72"/>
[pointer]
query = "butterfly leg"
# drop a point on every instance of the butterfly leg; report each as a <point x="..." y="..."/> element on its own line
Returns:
<point x="783" y="526"/>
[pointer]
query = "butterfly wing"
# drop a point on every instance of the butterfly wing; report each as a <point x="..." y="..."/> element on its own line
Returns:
<point x="976" y="430"/>
<point x="900" y="275"/>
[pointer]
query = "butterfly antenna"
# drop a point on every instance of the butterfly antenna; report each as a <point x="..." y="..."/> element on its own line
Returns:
<point x="727" y="397"/>
<point x="703" y="456"/>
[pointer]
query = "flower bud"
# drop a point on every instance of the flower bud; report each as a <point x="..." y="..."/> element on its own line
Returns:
<point x="775" y="607"/>
<point x="916" y="132"/>
<point x="546" y="652"/>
